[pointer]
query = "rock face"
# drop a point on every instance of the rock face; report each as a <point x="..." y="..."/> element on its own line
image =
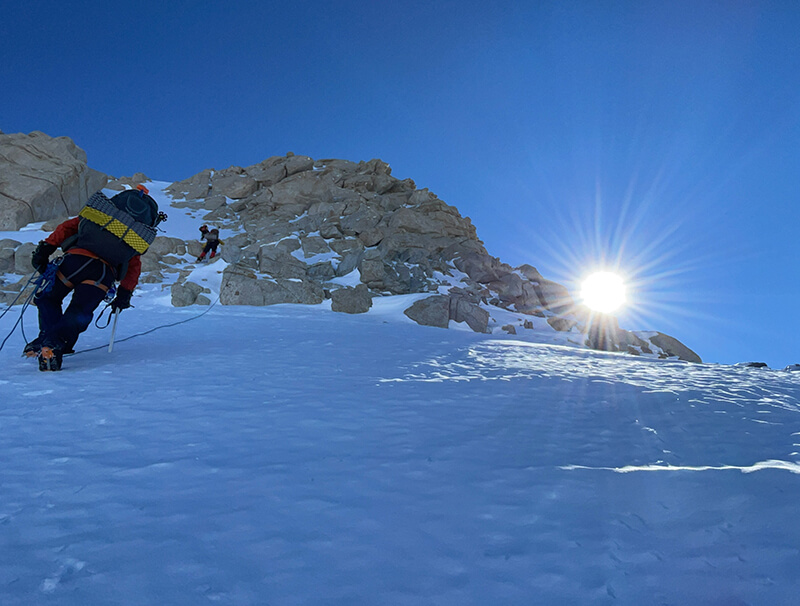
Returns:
<point x="303" y="224"/>
<point x="42" y="178"/>
<point x="307" y="230"/>
<point x="438" y="310"/>
<point x="673" y="347"/>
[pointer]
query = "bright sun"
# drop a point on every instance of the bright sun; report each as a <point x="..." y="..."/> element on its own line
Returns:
<point x="603" y="291"/>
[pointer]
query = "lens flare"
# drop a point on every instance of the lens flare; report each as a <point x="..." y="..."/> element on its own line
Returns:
<point x="603" y="291"/>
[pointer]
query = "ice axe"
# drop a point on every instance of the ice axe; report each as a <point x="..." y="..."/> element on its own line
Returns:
<point x="113" y="330"/>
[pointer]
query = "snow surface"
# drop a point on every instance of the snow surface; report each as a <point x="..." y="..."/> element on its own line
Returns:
<point x="290" y="455"/>
<point x="293" y="455"/>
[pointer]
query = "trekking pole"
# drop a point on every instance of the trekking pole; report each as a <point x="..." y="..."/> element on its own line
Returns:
<point x="113" y="330"/>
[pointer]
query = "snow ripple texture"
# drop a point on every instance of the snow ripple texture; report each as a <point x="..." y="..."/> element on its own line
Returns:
<point x="292" y="456"/>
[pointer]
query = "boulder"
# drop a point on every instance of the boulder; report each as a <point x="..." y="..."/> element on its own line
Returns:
<point x="322" y="272"/>
<point x="22" y="259"/>
<point x="554" y="296"/>
<point x="528" y="302"/>
<point x="240" y="286"/>
<point x="51" y="224"/>
<point x="560" y="324"/>
<point x="42" y="178"/>
<point x="280" y="264"/>
<point x="346" y="245"/>
<point x="530" y="272"/>
<point x="214" y="202"/>
<point x="371" y="270"/>
<point x="6" y="260"/>
<point x="348" y="263"/>
<point x="463" y="310"/>
<point x="194" y="247"/>
<point x="433" y="311"/>
<point x="303" y="292"/>
<point x="632" y="343"/>
<point x="438" y="310"/>
<point x="672" y="347"/>
<point x="150" y="262"/>
<point x="371" y="237"/>
<point x="163" y="245"/>
<point x="234" y="187"/>
<point x="351" y="300"/>
<point x="192" y="188"/>
<point x="330" y="229"/>
<point x="185" y="293"/>
<point x="152" y="277"/>
<point x="124" y="183"/>
<point x="508" y="288"/>
<point x="314" y="245"/>
<point x="360" y="221"/>
<point x="295" y="195"/>
<point x="481" y="268"/>
<point x="231" y="253"/>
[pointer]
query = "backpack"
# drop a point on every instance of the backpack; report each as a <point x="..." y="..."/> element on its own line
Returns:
<point x="119" y="228"/>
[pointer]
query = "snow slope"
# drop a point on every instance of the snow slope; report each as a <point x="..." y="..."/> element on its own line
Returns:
<point x="289" y="455"/>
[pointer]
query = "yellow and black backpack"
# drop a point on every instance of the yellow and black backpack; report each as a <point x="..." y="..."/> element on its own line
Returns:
<point x="117" y="229"/>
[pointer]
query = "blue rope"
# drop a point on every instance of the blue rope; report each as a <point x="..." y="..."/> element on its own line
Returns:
<point x="39" y="283"/>
<point x="147" y="332"/>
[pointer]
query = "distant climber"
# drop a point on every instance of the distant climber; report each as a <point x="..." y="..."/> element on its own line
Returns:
<point x="212" y="241"/>
<point x="102" y="246"/>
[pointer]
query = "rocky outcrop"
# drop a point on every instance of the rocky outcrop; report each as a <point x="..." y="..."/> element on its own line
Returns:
<point x="42" y="178"/>
<point x="188" y="293"/>
<point x="306" y="230"/>
<point x="303" y="223"/>
<point x="674" y="348"/>
<point x="603" y="333"/>
<point x="241" y="286"/>
<point x="126" y="182"/>
<point x="438" y="310"/>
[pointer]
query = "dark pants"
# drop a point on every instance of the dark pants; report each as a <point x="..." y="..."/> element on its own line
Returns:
<point x="212" y="246"/>
<point x="61" y="329"/>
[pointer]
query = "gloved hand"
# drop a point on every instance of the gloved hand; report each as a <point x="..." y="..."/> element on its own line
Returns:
<point x="41" y="256"/>
<point x="122" y="300"/>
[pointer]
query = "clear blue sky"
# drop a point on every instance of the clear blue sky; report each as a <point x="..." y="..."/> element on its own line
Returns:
<point x="659" y="137"/>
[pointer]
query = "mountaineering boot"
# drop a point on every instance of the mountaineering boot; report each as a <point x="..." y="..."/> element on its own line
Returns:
<point x="213" y="254"/>
<point x="201" y="258"/>
<point x="50" y="358"/>
<point x="32" y="349"/>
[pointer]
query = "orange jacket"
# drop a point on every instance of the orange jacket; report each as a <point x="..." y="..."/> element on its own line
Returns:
<point x="70" y="228"/>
